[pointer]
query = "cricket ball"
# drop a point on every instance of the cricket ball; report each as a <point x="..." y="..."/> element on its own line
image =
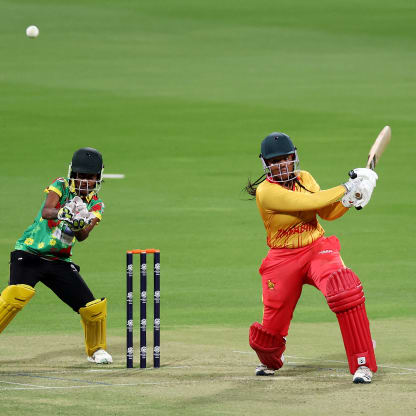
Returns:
<point x="32" y="32"/>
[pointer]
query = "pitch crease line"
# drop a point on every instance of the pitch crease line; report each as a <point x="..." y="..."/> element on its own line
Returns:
<point x="331" y="361"/>
<point x="19" y="384"/>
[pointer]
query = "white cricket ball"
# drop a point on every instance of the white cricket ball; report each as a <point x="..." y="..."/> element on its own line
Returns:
<point x="32" y="32"/>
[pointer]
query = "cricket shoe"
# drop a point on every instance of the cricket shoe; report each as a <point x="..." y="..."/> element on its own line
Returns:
<point x="100" y="357"/>
<point x="263" y="370"/>
<point x="362" y="375"/>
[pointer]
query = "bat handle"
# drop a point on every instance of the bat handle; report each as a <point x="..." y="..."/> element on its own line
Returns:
<point x="352" y="174"/>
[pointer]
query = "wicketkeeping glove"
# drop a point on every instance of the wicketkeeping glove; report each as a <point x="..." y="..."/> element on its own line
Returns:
<point x="76" y="205"/>
<point x="81" y="220"/>
<point x="75" y="213"/>
<point x="65" y="214"/>
<point x="77" y="224"/>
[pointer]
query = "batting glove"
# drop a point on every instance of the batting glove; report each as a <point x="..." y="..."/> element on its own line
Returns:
<point x="365" y="190"/>
<point x="364" y="173"/>
<point x="351" y="184"/>
<point x="352" y="192"/>
<point x="359" y="194"/>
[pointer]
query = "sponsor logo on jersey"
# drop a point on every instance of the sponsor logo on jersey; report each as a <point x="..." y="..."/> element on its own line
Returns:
<point x="302" y="228"/>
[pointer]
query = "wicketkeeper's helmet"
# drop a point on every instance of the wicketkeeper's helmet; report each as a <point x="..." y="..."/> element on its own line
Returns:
<point x="87" y="160"/>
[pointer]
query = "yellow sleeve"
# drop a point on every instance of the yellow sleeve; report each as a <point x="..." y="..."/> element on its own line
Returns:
<point x="274" y="197"/>
<point x="330" y="212"/>
<point x="57" y="186"/>
<point x="309" y="181"/>
<point x="333" y="211"/>
<point x="53" y="188"/>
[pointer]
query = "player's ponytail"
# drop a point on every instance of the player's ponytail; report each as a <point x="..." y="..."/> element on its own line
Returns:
<point x="251" y="187"/>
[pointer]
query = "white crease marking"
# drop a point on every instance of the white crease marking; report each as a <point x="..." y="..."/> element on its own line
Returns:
<point x="331" y="361"/>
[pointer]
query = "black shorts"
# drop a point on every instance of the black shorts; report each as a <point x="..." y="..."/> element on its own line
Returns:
<point x="61" y="277"/>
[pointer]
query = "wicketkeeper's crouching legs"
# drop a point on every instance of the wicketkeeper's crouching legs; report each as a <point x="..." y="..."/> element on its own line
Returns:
<point x="94" y="322"/>
<point x="12" y="300"/>
<point x="269" y="347"/>
<point x="346" y="299"/>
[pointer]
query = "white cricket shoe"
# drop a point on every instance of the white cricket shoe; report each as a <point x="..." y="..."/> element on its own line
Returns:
<point x="263" y="370"/>
<point x="100" y="357"/>
<point x="362" y="375"/>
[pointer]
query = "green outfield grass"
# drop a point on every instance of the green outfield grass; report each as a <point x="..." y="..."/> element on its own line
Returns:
<point x="177" y="96"/>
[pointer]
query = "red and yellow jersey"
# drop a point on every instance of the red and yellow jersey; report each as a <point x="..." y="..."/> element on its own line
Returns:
<point x="290" y="216"/>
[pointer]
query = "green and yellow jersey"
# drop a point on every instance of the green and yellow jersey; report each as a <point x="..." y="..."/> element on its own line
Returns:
<point x="52" y="239"/>
<point x="290" y="216"/>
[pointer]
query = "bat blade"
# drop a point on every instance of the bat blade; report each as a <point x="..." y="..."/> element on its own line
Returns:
<point x="378" y="147"/>
<point x="375" y="153"/>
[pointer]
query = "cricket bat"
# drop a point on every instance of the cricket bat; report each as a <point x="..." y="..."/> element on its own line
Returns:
<point x="377" y="149"/>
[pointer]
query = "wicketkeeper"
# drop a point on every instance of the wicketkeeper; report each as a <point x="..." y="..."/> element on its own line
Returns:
<point x="289" y="201"/>
<point x="43" y="254"/>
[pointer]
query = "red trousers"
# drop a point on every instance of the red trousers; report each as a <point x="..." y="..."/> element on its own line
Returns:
<point x="285" y="271"/>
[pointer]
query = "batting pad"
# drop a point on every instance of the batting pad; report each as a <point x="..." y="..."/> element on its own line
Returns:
<point x="12" y="300"/>
<point x="345" y="297"/>
<point x="94" y="322"/>
<point x="269" y="347"/>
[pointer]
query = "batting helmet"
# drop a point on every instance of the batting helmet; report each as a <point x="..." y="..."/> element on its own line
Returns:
<point x="276" y="144"/>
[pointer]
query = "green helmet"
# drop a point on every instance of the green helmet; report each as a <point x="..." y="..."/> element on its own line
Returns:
<point x="276" y="144"/>
<point x="87" y="160"/>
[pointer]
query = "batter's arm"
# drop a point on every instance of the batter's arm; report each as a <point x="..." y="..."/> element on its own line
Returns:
<point x="333" y="211"/>
<point x="276" y="198"/>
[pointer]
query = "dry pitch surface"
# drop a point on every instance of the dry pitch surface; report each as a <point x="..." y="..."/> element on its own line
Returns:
<point x="208" y="371"/>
